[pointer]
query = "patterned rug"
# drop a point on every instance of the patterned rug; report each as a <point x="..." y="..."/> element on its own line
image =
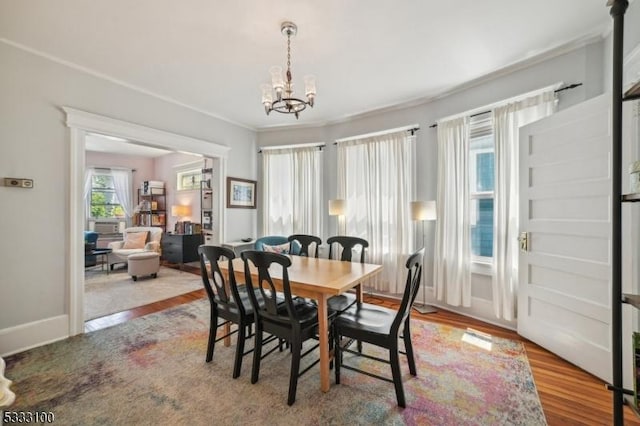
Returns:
<point x="114" y="292"/>
<point x="151" y="371"/>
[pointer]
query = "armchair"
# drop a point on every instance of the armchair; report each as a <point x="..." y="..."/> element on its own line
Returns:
<point x="277" y="240"/>
<point x="120" y="254"/>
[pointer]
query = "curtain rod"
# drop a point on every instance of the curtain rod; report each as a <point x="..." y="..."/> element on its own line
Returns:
<point x="110" y="168"/>
<point x="412" y="129"/>
<point x="569" y="87"/>
<point x="319" y="145"/>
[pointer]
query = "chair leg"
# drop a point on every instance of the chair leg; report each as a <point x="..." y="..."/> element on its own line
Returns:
<point x="337" y="356"/>
<point x="237" y="365"/>
<point x="257" y="354"/>
<point x="213" y="329"/>
<point x="397" y="377"/>
<point x="408" y="348"/>
<point x="296" y="350"/>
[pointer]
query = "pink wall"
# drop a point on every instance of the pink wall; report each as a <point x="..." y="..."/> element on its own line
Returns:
<point x="144" y="166"/>
<point x="165" y="170"/>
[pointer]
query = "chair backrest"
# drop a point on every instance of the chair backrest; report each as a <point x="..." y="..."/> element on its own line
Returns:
<point x="218" y="292"/>
<point x="155" y="233"/>
<point x="412" y="285"/>
<point x="276" y="240"/>
<point x="90" y="237"/>
<point x="271" y="310"/>
<point x="347" y="243"/>
<point x="305" y="241"/>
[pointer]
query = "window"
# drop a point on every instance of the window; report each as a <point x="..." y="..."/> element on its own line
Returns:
<point x="188" y="180"/>
<point x="481" y="184"/>
<point x="104" y="201"/>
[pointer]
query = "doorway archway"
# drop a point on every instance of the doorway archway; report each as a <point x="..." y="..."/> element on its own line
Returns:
<point x="82" y="122"/>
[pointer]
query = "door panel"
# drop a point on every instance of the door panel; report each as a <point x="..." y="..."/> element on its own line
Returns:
<point x="564" y="292"/>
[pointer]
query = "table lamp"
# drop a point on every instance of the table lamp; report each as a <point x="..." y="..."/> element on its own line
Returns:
<point x="180" y="211"/>
<point x="423" y="211"/>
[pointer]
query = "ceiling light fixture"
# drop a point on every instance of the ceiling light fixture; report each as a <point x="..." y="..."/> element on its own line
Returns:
<point x="285" y="102"/>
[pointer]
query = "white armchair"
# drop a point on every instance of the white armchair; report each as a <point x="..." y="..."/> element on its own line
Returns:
<point x="120" y="254"/>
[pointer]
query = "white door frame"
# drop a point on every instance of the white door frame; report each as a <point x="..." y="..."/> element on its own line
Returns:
<point x="81" y="122"/>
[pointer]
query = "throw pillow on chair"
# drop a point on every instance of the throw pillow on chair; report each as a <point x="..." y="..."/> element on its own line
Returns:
<point x="135" y="240"/>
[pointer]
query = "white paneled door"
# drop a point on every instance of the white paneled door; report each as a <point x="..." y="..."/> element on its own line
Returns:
<point x="564" y="291"/>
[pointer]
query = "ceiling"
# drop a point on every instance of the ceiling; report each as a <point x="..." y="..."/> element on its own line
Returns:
<point x="113" y="145"/>
<point x="212" y="56"/>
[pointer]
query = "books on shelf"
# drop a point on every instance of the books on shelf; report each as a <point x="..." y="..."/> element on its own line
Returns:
<point x="187" y="227"/>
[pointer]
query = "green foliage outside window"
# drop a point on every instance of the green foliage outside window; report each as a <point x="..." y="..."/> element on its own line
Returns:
<point x="104" y="201"/>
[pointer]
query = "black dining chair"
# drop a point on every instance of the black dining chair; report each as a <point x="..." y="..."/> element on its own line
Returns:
<point x="293" y="321"/>
<point x="228" y="300"/>
<point x="381" y="327"/>
<point x="305" y="241"/>
<point x="344" y="301"/>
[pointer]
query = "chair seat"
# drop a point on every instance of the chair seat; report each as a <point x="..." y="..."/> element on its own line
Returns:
<point x="341" y="302"/>
<point x="307" y="313"/>
<point x="366" y="319"/>
<point x="244" y="297"/>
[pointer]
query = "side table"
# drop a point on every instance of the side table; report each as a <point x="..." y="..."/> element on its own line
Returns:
<point x="239" y="246"/>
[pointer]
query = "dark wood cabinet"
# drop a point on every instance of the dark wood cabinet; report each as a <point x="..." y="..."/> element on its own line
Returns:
<point x="180" y="248"/>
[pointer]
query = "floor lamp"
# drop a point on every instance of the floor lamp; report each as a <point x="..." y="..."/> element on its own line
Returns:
<point x="423" y="211"/>
<point x="338" y="208"/>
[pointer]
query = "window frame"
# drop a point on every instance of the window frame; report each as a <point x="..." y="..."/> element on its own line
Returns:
<point x="482" y="126"/>
<point x="194" y="173"/>
<point x="109" y="190"/>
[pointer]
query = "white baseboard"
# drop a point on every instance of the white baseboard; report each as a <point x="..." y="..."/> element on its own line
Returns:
<point x="26" y="336"/>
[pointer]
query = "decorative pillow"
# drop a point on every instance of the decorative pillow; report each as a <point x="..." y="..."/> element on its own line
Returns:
<point x="280" y="249"/>
<point x="135" y="240"/>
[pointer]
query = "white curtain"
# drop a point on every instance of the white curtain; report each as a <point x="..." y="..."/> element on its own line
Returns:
<point x="452" y="257"/>
<point x="376" y="178"/>
<point x="122" y="185"/>
<point x="507" y="121"/>
<point x="292" y="191"/>
<point x="88" y="177"/>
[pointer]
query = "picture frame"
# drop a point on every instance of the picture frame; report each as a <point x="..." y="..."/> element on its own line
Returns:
<point x="241" y="193"/>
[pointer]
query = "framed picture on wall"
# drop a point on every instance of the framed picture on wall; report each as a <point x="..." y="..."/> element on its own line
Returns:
<point x="241" y="193"/>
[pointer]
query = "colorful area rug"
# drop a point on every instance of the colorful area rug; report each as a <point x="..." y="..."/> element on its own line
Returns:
<point x="151" y="371"/>
<point x="115" y="292"/>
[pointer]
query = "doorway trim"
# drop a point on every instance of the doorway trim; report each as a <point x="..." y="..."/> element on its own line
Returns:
<point x="82" y="122"/>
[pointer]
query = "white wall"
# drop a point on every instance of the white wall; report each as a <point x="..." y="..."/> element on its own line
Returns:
<point x="34" y="143"/>
<point x="583" y="64"/>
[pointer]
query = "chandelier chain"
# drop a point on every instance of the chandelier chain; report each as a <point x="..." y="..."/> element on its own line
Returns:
<point x="289" y="57"/>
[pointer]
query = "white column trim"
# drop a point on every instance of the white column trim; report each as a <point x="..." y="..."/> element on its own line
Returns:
<point x="76" y="234"/>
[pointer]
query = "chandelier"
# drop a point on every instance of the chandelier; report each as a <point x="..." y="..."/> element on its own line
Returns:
<point x="285" y="102"/>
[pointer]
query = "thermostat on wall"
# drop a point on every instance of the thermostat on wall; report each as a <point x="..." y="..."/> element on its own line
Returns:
<point x="18" y="182"/>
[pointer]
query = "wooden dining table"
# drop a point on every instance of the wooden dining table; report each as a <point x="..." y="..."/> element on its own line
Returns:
<point x="316" y="279"/>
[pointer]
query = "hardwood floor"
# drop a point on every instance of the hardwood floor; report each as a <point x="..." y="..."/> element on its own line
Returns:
<point x="569" y="395"/>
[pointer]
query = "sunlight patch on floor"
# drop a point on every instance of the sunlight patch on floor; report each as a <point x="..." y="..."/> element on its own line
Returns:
<point x="477" y="338"/>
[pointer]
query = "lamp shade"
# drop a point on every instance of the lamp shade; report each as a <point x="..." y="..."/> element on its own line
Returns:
<point x="423" y="210"/>
<point x="180" y="211"/>
<point x="337" y="207"/>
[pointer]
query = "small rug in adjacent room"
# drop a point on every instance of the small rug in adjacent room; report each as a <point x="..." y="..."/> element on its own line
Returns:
<point x="152" y="370"/>
<point x="115" y="292"/>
